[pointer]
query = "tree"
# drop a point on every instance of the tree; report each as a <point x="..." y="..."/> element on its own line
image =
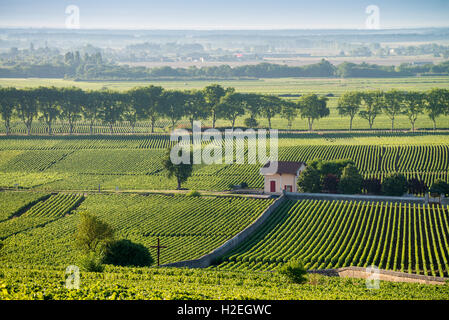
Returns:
<point x="93" y="235"/>
<point x="270" y="106"/>
<point x="326" y="167"/>
<point x="436" y="104"/>
<point x="393" y="104"/>
<point x="416" y="186"/>
<point x="349" y="104"/>
<point x="289" y="111"/>
<point x="330" y="183"/>
<point x="309" y="180"/>
<point x="27" y="108"/>
<point x="127" y="253"/>
<point x="213" y="94"/>
<point x="413" y="106"/>
<point x="112" y="108"/>
<point x="195" y="106"/>
<point x="181" y="171"/>
<point x="372" y="186"/>
<point x="8" y="101"/>
<point x="294" y="271"/>
<point x="232" y="105"/>
<point x="439" y="187"/>
<point x="394" y="185"/>
<point x="173" y="105"/>
<point x="147" y="102"/>
<point x="253" y="107"/>
<point x="71" y="105"/>
<point x="47" y="100"/>
<point x="372" y="102"/>
<point x="130" y="111"/>
<point x="313" y="108"/>
<point x="91" y="107"/>
<point x="350" y="181"/>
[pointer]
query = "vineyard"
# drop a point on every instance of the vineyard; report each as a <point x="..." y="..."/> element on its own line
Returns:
<point x="41" y="213"/>
<point x="13" y="203"/>
<point x="76" y="164"/>
<point x="331" y="234"/>
<point x="181" y="284"/>
<point x="188" y="226"/>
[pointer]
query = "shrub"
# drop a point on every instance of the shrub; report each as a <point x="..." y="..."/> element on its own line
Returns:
<point x="127" y="253"/>
<point x="351" y="180"/>
<point x="244" y="185"/>
<point x="251" y="122"/>
<point x="310" y="180"/>
<point x="294" y="271"/>
<point x="194" y="193"/>
<point x="394" y="185"/>
<point x="416" y="186"/>
<point x="372" y="186"/>
<point x="330" y="183"/>
<point x="334" y="167"/>
<point x="91" y="262"/>
<point x="440" y="187"/>
<point x="93" y="235"/>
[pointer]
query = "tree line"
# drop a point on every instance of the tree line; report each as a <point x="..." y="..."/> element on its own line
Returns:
<point x="369" y="104"/>
<point x="214" y="102"/>
<point x="93" y="67"/>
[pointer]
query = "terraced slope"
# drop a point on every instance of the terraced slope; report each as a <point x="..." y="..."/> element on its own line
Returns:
<point x="333" y="234"/>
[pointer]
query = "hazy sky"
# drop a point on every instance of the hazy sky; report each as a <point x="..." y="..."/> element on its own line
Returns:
<point x="224" y="14"/>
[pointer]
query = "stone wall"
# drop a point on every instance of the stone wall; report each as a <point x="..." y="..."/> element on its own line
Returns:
<point x="327" y="196"/>
<point x="383" y="275"/>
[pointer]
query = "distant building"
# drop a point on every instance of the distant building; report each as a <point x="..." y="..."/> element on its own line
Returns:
<point x="285" y="177"/>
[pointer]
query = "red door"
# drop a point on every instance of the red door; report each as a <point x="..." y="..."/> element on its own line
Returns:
<point x="272" y="186"/>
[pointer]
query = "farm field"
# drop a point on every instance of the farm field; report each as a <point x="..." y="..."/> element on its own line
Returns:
<point x="188" y="226"/>
<point x="181" y="284"/>
<point x="333" y="234"/>
<point x="276" y="86"/>
<point x="118" y="163"/>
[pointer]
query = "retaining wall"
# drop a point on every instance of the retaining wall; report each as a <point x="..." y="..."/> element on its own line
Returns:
<point x="208" y="259"/>
<point x="383" y="275"/>
<point x="327" y="196"/>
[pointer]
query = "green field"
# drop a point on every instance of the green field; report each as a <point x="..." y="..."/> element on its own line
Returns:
<point x="274" y="86"/>
<point x="266" y="86"/>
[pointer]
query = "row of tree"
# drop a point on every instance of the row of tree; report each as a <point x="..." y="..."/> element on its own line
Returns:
<point x="368" y="105"/>
<point x="213" y="102"/>
<point x="149" y="104"/>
